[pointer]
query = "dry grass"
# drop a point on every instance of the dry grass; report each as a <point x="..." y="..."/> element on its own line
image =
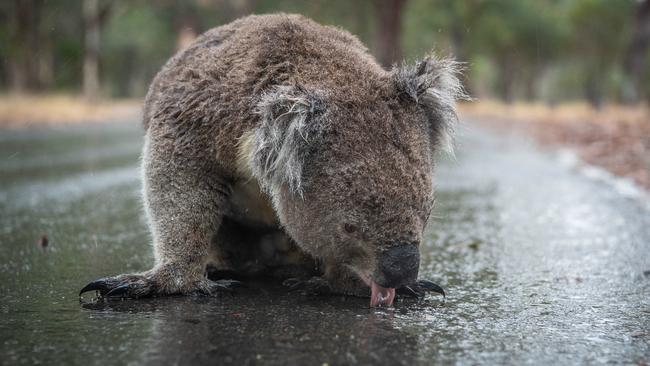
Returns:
<point x="562" y="114"/>
<point x="19" y="111"/>
<point x="614" y="137"/>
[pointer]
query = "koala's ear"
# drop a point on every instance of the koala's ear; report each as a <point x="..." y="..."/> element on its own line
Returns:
<point x="434" y="85"/>
<point x="291" y="119"/>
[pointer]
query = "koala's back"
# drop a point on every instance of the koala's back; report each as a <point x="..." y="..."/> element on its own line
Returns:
<point x="206" y="94"/>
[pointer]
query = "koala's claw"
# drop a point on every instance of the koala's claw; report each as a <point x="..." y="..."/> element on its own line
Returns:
<point x="214" y="287"/>
<point x="407" y="291"/>
<point x="312" y="286"/>
<point x="109" y="287"/>
<point x="136" y="286"/>
<point x="99" y="285"/>
<point x="420" y="288"/>
<point x="118" y="291"/>
<point x="293" y="283"/>
<point x="131" y="286"/>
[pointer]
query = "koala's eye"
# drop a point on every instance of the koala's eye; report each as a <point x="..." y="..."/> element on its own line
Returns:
<point x="349" y="228"/>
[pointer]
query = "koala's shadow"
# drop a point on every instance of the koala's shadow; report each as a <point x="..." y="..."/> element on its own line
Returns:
<point x="269" y="325"/>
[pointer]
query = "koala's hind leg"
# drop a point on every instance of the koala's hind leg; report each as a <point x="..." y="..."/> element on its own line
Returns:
<point x="244" y="251"/>
<point x="185" y="198"/>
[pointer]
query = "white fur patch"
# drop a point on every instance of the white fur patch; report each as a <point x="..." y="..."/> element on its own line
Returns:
<point x="245" y="151"/>
<point x="281" y="141"/>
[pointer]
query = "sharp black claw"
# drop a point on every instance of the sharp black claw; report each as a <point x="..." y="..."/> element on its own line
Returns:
<point x="222" y="288"/>
<point x="289" y="282"/>
<point x="294" y="284"/>
<point x="118" y="291"/>
<point x="407" y="290"/>
<point x="432" y="287"/>
<point x="215" y="287"/>
<point x="98" y="285"/>
<point x="232" y="284"/>
<point x="297" y="286"/>
<point x="313" y="286"/>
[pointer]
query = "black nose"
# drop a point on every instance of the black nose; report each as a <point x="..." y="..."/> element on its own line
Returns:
<point x="398" y="266"/>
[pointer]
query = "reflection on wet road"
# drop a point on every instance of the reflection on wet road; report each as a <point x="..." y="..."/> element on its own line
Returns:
<point x="541" y="264"/>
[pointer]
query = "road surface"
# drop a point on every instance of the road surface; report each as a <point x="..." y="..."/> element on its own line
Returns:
<point x="542" y="265"/>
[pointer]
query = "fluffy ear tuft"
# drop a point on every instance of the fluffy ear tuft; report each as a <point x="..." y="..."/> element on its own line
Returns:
<point x="281" y="142"/>
<point x="434" y="84"/>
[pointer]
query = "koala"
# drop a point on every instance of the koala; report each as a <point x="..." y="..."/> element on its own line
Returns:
<point x="278" y="146"/>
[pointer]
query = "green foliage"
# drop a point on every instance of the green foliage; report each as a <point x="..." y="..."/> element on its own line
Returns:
<point x="514" y="49"/>
<point x="598" y="39"/>
<point x="137" y="41"/>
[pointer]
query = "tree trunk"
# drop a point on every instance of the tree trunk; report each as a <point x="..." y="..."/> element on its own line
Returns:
<point x="45" y="62"/>
<point x="593" y="91"/>
<point x="506" y="80"/>
<point x="242" y="7"/>
<point x="636" y="59"/>
<point x="91" y="15"/>
<point x="460" y="52"/>
<point x="186" y="23"/>
<point x="362" y="25"/>
<point x="389" y="33"/>
<point x="25" y="31"/>
<point x="530" y="77"/>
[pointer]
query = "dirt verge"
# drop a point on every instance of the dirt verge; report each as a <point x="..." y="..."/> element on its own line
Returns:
<point x="20" y="111"/>
<point x="616" y="138"/>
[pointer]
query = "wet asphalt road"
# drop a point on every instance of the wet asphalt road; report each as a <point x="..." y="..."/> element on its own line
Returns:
<point x="541" y="264"/>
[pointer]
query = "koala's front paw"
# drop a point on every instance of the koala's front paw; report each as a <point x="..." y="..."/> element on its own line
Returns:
<point x="156" y="282"/>
<point x="312" y="286"/>
<point x="419" y="289"/>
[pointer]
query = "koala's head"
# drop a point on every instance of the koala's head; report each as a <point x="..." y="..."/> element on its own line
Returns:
<point x="351" y="177"/>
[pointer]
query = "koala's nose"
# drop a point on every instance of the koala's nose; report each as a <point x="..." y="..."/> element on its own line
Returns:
<point x="398" y="266"/>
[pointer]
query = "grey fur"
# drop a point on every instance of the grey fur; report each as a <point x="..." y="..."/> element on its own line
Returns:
<point x="434" y="84"/>
<point x="271" y="137"/>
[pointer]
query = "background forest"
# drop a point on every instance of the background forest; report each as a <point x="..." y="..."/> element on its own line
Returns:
<point x="547" y="50"/>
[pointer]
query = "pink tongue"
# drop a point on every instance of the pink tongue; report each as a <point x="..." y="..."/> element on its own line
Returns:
<point x="381" y="296"/>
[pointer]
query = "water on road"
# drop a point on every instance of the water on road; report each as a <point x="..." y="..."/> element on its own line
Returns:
<point x="541" y="264"/>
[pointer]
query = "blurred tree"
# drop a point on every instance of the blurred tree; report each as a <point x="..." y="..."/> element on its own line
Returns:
<point x="26" y="43"/>
<point x="138" y="39"/>
<point x="95" y="15"/>
<point x="4" y="47"/>
<point x="389" y="30"/>
<point x="521" y="38"/>
<point x="558" y="49"/>
<point x="91" y="49"/>
<point x="462" y="14"/>
<point x="445" y="26"/>
<point x="186" y="21"/>
<point x="636" y="62"/>
<point x="599" y="30"/>
<point x="242" y="7"/>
